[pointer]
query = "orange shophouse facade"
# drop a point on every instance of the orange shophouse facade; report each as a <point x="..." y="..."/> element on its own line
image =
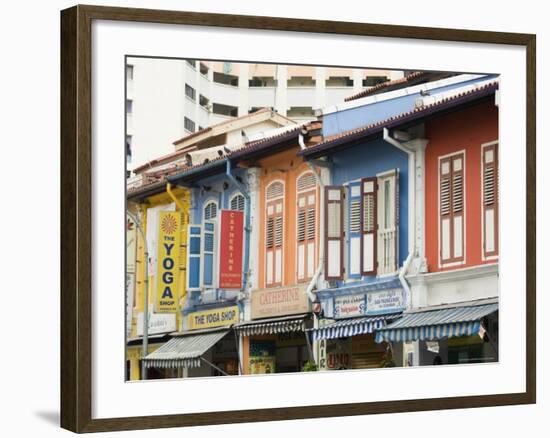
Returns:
<point x="274" y="339"/>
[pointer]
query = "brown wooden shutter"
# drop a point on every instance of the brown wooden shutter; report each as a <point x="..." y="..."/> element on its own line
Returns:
<point x="451" y="208"/>
<point x="334" y="233"/>
<point x="490" y="200"/>
<point x="369" y="226"/>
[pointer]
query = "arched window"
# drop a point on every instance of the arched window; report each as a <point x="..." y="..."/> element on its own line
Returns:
<point x="208" y="233"/>
<point x="210" y="210"/>
<point x="237" y="202"/>
<point x="306" y="225"/>
<point x="274" y="231"/>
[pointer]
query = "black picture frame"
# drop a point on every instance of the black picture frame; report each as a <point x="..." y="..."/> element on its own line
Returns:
<point x="76" y="217"/>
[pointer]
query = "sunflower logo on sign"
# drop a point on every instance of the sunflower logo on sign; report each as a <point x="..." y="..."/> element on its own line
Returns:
<point x="169" y="224"/>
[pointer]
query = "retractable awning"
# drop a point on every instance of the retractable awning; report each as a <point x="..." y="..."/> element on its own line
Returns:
<point x="184" y="351"/>
<point x="349" y="327"/>
<point x="270" y="326"/>
<point x="436" y="323"/>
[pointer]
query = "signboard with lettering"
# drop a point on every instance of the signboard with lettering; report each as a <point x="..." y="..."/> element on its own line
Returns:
<point x="385" y="301"/>
<point x="261" y="358"/>
<point x="158" y="323"/>
<point x="280" y="301"/>
<point x="349" y="306"/>
<point x="231" y="249"/>
<point x="335" y="354"/>
<point x="168" y="262"/>
<point x="213" y="318"/>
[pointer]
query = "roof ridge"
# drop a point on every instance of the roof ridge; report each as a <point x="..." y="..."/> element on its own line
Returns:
<point x="385" y="84"/>
<point x="404" y="114"/>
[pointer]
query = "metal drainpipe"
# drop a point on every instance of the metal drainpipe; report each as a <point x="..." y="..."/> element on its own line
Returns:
<point x="405" y="268"/>
<point x="145" y="351"/>
<point x="313" y="282"/>
<point x="246" y="195"/>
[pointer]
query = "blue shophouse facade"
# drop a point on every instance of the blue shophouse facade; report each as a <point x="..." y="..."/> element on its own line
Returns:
<point x="213" y="187"/>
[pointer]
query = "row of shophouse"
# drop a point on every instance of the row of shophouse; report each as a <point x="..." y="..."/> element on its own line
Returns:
<point x="366" y="238"/>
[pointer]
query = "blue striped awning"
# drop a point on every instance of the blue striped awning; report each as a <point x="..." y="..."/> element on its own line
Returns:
<point x="426" y="325"/>
<point x="348" y="327"/>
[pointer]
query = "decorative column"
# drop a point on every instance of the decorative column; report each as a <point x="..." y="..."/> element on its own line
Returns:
<point x="253" y="184"/>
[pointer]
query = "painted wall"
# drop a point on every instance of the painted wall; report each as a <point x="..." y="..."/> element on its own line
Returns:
<point x="367" y="160"/>
<point x="216" y="193"/>
<point x="463" y="130"/>
<point x="353" y="118"/>
<point x="200" y="198"/>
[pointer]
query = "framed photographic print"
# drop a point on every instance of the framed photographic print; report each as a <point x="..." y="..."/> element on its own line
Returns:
<point x="268" y="219"/>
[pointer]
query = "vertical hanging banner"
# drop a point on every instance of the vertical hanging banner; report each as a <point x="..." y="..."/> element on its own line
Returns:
<point x="231" y="249"/>
<point x="168" y="262"/>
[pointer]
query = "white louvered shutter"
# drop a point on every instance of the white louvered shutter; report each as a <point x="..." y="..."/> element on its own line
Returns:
<point x="334" y="233"/>
<point x="237" y="202"/>
<point x="490" y="200"/>
<point x="354" y="230"/>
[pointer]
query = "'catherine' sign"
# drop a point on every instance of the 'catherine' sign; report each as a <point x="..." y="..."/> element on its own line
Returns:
<point x="279" y="301"/>
<point x="231" y="249"/>
<point x="168" y="262"/>
<point x="391" y="300"/>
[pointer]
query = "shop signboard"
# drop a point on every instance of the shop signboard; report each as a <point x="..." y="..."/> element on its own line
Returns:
<point x="213" y="318"/>
<point x="385" y="301"/>
<point x="231" y="249"/>
<point x="349" y="306"/>
<point x="280" y="301"/>
<point x="262" y="357"/>
<point x="335" y="354"/>
<point x="166" y="299"/>
<point x="158" y="323"/>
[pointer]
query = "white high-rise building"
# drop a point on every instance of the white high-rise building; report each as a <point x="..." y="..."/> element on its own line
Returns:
<point x="167" y="99"/>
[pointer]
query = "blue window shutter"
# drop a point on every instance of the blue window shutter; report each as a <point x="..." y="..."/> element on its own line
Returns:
<point x="194" y="235"/>
<point x="208" y="241"/>
<point x="354" y="230"/>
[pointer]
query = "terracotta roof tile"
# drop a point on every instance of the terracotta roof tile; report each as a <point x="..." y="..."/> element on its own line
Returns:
<point x="386" y="84"/>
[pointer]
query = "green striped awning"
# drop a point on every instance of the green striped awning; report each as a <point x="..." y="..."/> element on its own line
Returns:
<point x="426" y="324"/>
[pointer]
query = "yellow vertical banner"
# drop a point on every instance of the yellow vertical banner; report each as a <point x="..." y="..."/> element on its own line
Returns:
<point x="168" y="262"/>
